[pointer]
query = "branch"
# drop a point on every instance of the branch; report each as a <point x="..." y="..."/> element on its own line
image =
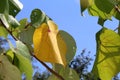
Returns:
<point x="117" y="8"/>
<point x="8" y="30"/>
<point x="55" y="73"/>
<point x="46" y="66"/>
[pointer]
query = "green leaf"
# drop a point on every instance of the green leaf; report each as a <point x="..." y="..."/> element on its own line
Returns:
<point x="4" y="20"/>
<point x="52" y="77"/>
<point x="3" y="32"/>
<point x="7" y="70"/>
<point x="108" y="54"/>
<point x="26" y="35"/>
<point x="38" y="17"/>
<point x="4" y="7"/>
<point x="71" y="45"/>
<point x="104" y="5"/>
<point x="115" y="12"/>
<point x="22" y="49"/>
<point x="67" y="73"/>
<point x="9" y="21"/>
<point x="25" y="66"/>
<point x="95" y="11"/>
<point x="12" y="21"/>
<point x="16" y="32"/>
<point x="14" y="7"/>
<point x="11" y="7"/>
<point x="84" y="5"/>
<point x="10" y="55"/>
<point x="101" y="21"/>
<point x="23" y="23"/>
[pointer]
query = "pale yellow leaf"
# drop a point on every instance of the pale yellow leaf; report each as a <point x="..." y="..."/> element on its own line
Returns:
<point x="48" y="46"/>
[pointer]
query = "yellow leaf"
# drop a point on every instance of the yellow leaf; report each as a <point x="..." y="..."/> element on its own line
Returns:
<point x="48" y="44"/>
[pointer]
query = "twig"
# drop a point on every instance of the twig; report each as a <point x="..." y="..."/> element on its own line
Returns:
<point x="117" y="8"/>
<point x="55" y="73"/>
<point x="47" y="67"/>
<point x="29" y="24"/>
<point x="8" y="30"/>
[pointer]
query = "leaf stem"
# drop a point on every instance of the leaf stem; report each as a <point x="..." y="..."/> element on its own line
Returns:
<point x="46" y="66"/>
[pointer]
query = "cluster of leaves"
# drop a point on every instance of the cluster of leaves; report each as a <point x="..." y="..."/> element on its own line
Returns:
<point x="40" y="39"/>
<point x="108" y="49"/>
<point x="80" y="64"/>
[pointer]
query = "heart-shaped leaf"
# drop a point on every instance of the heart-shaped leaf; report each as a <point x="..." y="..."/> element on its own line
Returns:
<point x="48" y="46"/>
<point x="107" y="60"/>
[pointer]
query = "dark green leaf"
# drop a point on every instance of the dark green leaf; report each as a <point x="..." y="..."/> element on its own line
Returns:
<point x="14" y="7"/>
<point x="84" y="4"/>
<point x="101" y="21"/>
<point x="4" y="7"/>
<point x="94" y="11"/>
<point x="38" y="17"/>
<point x="104" y="5"/>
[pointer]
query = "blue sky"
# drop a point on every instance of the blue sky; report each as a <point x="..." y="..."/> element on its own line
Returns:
<point x="66" y="14"/>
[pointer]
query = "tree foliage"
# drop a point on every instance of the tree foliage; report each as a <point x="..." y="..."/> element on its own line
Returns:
<point x="40" y="38"/>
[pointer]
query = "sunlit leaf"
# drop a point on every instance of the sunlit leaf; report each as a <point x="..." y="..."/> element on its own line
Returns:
<point x="9" y="21"/>
<point x="95" y="11"/>
<point x="4" y="20"/>
<point x="12" y="21"/>
<point x="7" y="70"/>
<point x="48" y="46"/>
<point x="22" y="59"/>
<point x="23" y="23"/>
<point x="10" y="55"/>
<point x="20" y="49"/>
<point x="3" y="32"/>
<point x="108" y="54"/>
<point x="25" y="66"/>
